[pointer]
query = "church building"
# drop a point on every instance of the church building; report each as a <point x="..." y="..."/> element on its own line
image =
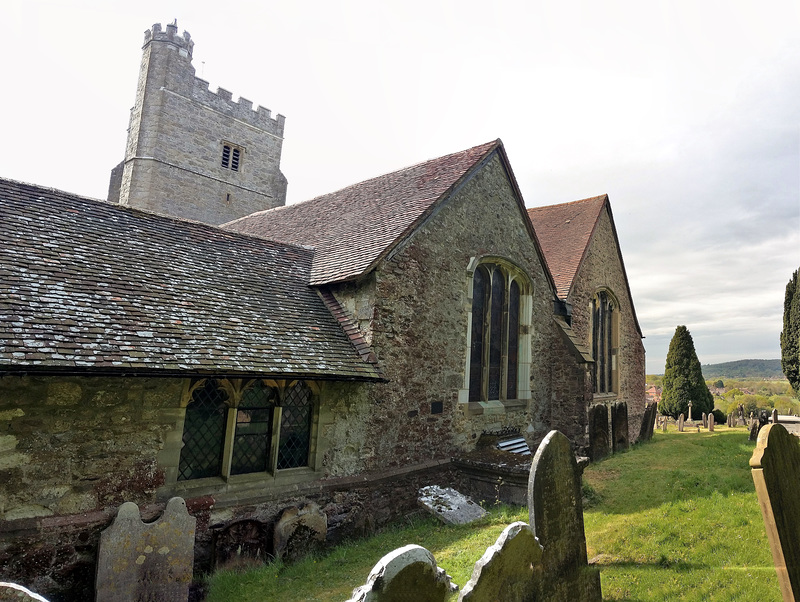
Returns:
<point x="194" y="336"/>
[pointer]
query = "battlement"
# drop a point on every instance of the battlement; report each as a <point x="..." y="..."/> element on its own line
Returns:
<point x="242" y="109"/>
<point x="171" y="36"/>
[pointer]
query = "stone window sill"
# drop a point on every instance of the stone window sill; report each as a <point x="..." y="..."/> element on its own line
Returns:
<point x="508" y="406"/>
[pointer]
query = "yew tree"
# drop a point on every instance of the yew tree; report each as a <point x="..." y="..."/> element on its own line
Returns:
<point x="790" y="336"/>
<point x="683" y="379"/>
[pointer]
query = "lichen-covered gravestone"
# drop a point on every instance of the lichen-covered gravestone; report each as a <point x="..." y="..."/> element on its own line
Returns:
<point x="300" y="531"/>
<point x="555" y="509"/>
<point x="775" y="466"/>
<point x="510" y="570"/>
<point x="408" y="574"/>
<point x="680" y="423"/>
<point x="154" y="561"/>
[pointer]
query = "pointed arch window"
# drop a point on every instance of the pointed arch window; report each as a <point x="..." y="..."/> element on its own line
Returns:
<point x="235" y="427"/>
<point x="604" y="342"/>
<point x="495" y="334"/>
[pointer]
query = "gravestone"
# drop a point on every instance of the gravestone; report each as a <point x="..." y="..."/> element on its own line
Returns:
<point x="598" y="432"/>
<point x="555" y="511"/>
<point x="690" y="411"/>
<point x="648" y="422"/>
<point x="754" y="428"/>
<point x="775" y="466"/>
<point x="619" y="426"/>
<point x="730" y="420"/>
<point x="449" y="506"/>
<point x="705" y="420"/>
<point x="154" y="561"/>
<point x="774" y="416"/>
<point x="664" y="425"/>
<point x="711" y="423"/>
<point x="406" y="574"/>
<point x="680" y="423"/>
<point x="299" y="531"/>
<point x="509" y="570"/>
<point x="242" y="543"/>
<point x="13" y="592"/>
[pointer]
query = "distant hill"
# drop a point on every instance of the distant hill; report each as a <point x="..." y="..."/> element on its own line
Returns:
<point x="744" y="369"/>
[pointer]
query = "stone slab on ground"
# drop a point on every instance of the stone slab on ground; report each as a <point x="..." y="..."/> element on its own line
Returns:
<point x="449" y="506"/>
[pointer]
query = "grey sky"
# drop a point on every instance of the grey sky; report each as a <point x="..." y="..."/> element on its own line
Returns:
<point x="685" y="113"/>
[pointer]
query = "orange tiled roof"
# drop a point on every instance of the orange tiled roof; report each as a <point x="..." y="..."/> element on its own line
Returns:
<point x="564" y="232"/>
<point x="355" y="227"/>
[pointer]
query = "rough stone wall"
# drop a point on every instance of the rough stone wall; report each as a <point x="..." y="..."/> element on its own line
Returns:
<point x="176" y="134"/>
<point x="602" y="268"/>
<point x="419" y="329"/>
<point x="71" y="451"/>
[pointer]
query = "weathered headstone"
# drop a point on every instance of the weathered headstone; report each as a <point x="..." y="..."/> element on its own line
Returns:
<point x="648" y="422"/>
<point x="730" y="420"/>
<point x="449" y="506"/>
<point x="754" y="428"/>
<point x="299" y="531"/>
<point x="13" y="592"/>
<point x="775" y="466"/>
<point x="705" y="420"/>
<point x="619" y="426"/>
<point x="664" y="425"/>
<point x="154" y="561"/>
<point x="406" y="574"/>
<point x="598" y="432"/>
<point x="711" y="423"/>
<point x="510" y="570"/>
<point x="680" y="423"/>
<point x="774" y="416"/>
<point x="555" y="510"/>
<point x="242" y="543"/>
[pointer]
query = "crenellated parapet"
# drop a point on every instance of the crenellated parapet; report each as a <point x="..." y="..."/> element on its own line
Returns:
<point x="242" y="109"/>
<point x="184" y="41"/>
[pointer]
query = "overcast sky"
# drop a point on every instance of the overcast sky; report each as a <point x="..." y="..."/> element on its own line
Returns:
<point x="687" y="113"/>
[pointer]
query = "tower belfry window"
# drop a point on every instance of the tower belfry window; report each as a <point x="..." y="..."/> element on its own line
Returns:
<point x="231" y="157"/>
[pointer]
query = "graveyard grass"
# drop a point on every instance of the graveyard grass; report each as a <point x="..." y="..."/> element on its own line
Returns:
<point x="673" y="519"/>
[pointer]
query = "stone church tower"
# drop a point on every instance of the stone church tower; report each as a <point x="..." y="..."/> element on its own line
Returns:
<point x="193" y="153"/>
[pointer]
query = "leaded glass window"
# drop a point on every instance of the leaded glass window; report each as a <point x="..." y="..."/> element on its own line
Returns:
<point x="253" y="436"/>
<point x="494" y="344"/>
<point x="234" y="427"/>
<point x="603" y="344"/>
<point x="295" y="438"/>
<point x="204" y="432"/>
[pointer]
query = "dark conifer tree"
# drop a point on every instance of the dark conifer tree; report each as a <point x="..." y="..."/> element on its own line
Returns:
<point x="790" y="336"/>
<point x="683" y="379"/>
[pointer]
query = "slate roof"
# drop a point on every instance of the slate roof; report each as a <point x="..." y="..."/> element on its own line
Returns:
<point x="353" y="229"/>
<point x="87" y="286"/>
<point x="564" y="232"/>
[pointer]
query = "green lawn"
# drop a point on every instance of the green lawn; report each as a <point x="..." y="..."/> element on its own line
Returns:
<point x="673" y="519"/>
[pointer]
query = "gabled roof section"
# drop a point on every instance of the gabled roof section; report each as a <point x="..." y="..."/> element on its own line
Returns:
<point x="91" y="287"/>
<point x="352" y="229"/>
<point x="564" y="232"/>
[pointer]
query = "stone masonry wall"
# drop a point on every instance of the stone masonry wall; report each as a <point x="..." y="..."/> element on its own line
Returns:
<point x="602" y="269"/>
<point x="177" y="130"/>
<point x="72" y="449"/>
<point x="419" y="329"/>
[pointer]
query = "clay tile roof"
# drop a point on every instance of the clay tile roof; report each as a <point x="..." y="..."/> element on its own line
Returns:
<point x="87" y="286"/>
<point x="564" y="232"/>
<point x="352" y="229"/>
